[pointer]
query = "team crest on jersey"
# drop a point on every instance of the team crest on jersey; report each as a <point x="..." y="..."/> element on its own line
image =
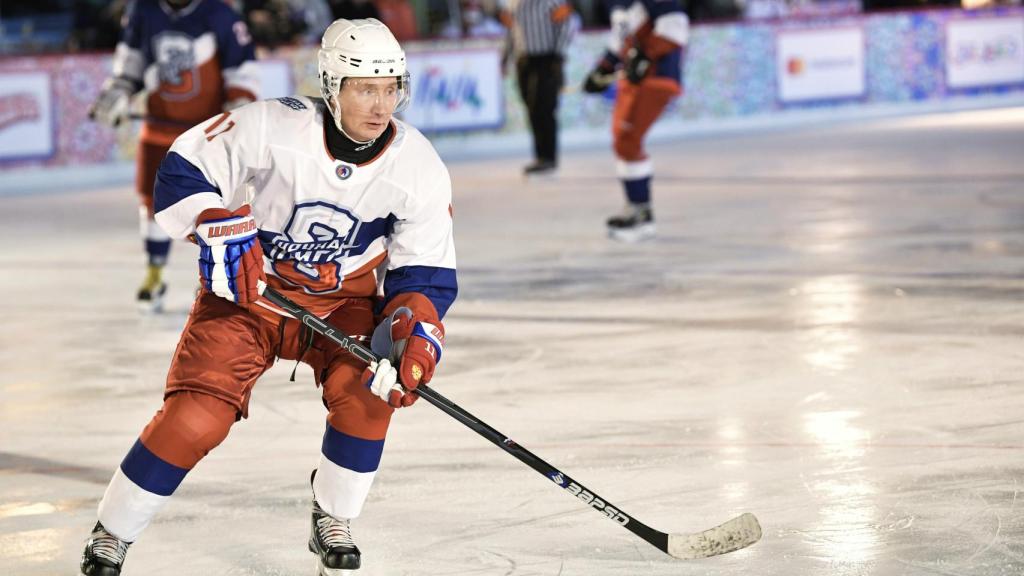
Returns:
<point x="315" y="240"/>
<point x="343" y="171"/>
<point x="176" y="65"/>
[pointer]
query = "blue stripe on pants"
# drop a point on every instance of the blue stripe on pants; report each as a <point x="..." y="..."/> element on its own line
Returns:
<point x="151" y="473"/>
<point x="350" y="452"/>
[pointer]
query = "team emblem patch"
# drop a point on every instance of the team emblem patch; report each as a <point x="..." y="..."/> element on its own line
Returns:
<point x="343" y="171"/>
<point x="293" y="103"/>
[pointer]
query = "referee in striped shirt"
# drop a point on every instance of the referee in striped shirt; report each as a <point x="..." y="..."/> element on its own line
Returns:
<point x="541" y="31"/>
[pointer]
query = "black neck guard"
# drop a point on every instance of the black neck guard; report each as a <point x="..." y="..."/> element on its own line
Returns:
<point x="343" y="148"/>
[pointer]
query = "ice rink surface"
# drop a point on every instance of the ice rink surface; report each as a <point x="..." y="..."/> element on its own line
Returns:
<point x="827" y="333"/>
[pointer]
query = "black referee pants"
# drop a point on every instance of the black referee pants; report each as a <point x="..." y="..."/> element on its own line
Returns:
<point x="540" y="80"/>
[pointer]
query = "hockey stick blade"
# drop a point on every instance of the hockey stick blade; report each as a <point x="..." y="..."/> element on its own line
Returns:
<point x="736" y="534"/>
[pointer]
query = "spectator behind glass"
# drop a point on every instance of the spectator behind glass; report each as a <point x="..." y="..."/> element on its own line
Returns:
<point x="315" y="16"/>
<point x="475" y="23"/>
<point x="398" y="15"/>
<point x="273" y="22"/>
<point x="97" y="25"/>
<point x="478" y="22"/>
<point x="353" y="9"/>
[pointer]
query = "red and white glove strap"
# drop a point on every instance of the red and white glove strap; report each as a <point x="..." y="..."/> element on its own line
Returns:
<point x="422" y="353"/>
<point x="433" y="335"/>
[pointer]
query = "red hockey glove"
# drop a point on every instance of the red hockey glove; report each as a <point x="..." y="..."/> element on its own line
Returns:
<point x="422" y="352"/>
<point x="413" y="347"/>
<point x="230" y="256"/>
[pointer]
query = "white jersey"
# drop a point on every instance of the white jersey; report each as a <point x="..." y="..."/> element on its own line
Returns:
<point x="326" y="226"/>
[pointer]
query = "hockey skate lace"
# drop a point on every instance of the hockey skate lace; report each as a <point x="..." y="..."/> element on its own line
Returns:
<point x="109" y="547"/>
<point x="334" y="533"/>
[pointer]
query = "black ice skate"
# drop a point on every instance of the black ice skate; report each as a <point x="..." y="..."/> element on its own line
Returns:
<point x="540" y="168"/>
<point x="104" y="553"/>
<point x="634" y="224"/>
<point x="150" y="296"/>
<point x="331" y="540"/>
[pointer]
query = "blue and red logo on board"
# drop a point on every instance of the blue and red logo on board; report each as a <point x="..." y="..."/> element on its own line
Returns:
<point x="448" y="91"/>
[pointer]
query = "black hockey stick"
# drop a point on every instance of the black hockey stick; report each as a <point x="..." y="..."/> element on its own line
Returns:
<point x="735" y="534"/>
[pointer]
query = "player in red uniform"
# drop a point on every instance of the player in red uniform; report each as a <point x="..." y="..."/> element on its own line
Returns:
<point x="645" y="53"/>
<point x="187" y="60"/>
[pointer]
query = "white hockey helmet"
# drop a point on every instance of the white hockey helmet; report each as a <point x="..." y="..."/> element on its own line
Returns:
<point x="363" y="48"/>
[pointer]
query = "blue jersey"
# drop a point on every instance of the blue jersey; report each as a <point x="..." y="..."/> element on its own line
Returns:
<point x="192" y="61"/>
<point x="659" y="28"/>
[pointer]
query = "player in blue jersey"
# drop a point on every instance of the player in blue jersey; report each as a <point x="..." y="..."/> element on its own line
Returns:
<point x="345" y="210"/>
<point x="644" y="56"/>
<point x="186" y="60"/>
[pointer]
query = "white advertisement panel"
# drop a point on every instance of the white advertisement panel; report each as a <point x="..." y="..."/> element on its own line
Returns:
<point x="26" y="116"/>
<point x="984" y="52"/>
<point x="455" y="90"/>
<point x="820" y="64"/>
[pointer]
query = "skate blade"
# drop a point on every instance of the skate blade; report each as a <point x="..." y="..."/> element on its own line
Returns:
<point x="322" y="570"/>
<point x="155" y="303"/>
<point x="149" y="307"/>
<point x="633" y="235"/>
<point x="551" y="174"/>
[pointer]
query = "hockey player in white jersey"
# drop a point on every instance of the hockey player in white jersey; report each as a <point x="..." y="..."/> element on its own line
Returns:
<point x="346" y="211"/>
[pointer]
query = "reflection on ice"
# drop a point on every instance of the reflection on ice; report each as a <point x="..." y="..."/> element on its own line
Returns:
<point x="830" y="307"/>
<point x="848" y="514"/>
<point x="731" y="431"/>
<point x="12" y="509"/>
<point x="838" y="438"/>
